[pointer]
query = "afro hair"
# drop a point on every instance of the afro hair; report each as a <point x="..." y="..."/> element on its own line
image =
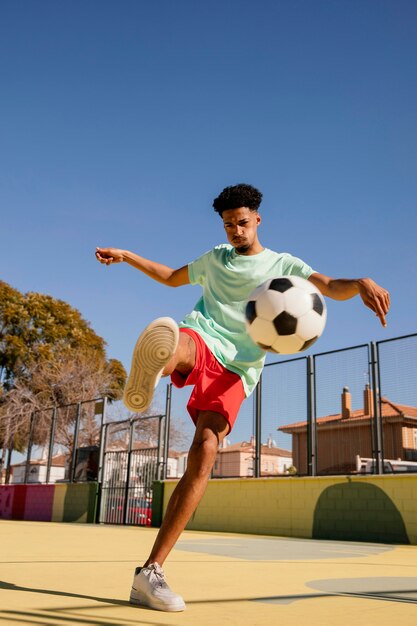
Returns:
<point x="238" y="196"/>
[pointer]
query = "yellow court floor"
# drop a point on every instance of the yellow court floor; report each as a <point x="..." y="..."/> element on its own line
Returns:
<point x="55" y="574"/>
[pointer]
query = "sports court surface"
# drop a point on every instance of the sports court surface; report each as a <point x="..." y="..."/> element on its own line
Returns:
<point x="54" y="574"/>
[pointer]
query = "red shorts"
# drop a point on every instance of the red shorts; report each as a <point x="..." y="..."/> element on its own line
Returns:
<point x="215" y="388"/>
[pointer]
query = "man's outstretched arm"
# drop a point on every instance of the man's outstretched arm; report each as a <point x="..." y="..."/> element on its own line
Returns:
<point x="161" y="273"/>
<point x="373" y="296"/>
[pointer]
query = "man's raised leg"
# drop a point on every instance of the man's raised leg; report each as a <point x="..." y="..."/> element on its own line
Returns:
<point x="160" y="349"/>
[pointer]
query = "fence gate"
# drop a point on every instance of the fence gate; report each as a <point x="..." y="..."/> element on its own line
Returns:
<point x="129" y="468"/>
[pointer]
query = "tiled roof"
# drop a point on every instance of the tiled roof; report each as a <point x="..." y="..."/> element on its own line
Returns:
<point x="388" y="410"/>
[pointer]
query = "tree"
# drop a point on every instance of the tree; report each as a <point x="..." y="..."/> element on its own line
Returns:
<point x="13" y="317"/>
<point x="36" y="328"/>
<point x="49" y="356"/>
<point x="146" y="431"/>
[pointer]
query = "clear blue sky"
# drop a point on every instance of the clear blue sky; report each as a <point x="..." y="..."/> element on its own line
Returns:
<point x="121" y="121"/>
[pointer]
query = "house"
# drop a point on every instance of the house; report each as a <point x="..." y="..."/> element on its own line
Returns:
<point x="143" y="463"/>
<point x="344" y="436"/>
<point x="38" y="469"/>
<point x="238" y="459"/>
<point x="177" y="463"/>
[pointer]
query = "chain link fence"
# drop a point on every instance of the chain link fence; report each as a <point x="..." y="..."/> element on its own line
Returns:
<point x="343" y="419"/>
<point x="347" y="411"/>
<point x="63" y="445"/>
<point x="397" y="403"/>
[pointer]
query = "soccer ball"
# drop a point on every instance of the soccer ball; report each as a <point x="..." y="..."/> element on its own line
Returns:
<point x="285" y="315"/>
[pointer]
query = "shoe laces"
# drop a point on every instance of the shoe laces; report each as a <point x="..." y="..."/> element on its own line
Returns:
<point x="158" y="575"/>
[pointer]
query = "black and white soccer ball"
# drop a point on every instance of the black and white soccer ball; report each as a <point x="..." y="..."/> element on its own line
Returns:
<point x="285" y="315"/>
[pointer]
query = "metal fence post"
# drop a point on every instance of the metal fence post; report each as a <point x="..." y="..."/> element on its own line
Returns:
<point x="9" y="462"/>
<point x="160" y="459"/>
<point x="128" y="468"/>
<point x="102" y="470"/>
<point x="258" y="430"/>
<point x="51" y="445"/>
<point x="102" y="442"/>
<point x="377" y="425"/>
<point x="27" y="467"/>
<point x="100" y="460"/>
<point x="75" y="443"/>
<point x="166" y="433"/>
<point x="311" y="418"/>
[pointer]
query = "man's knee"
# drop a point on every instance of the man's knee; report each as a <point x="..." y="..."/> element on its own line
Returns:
<point x="211" y="429"/>
<point x="201" y="457"/>
<point x="211" y="424"/>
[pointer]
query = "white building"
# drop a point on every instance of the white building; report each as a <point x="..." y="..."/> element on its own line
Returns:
<point x="38" y="469"/>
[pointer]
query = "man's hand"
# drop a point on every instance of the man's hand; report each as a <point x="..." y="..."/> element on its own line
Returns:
<point x="107" y="256"/>
<point x="374" y="297"/>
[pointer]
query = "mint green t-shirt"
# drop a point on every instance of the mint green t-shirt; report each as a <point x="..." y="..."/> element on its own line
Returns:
<point x="218" y="317"/>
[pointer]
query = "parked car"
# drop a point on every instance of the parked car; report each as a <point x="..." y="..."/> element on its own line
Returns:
<point x="139" y="511"/>
<point x="391" y="466"/>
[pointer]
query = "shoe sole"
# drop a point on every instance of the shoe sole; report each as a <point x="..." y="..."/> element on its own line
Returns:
<point x="140" y="599"/>
<point x="153" y="350"/>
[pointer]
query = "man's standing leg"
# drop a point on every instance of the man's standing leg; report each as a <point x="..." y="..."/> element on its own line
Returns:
<point x="210" y="432"/>
<point x="149" y="587"/>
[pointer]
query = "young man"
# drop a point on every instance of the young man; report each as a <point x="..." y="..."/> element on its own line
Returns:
<point x="212" y="351"/>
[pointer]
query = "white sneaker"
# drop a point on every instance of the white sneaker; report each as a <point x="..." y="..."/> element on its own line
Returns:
<point x="150" y="589"/>
<point x="153" y="350"/>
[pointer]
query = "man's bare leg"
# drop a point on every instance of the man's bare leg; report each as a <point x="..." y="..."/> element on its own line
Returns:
<point x="210" y="431"/>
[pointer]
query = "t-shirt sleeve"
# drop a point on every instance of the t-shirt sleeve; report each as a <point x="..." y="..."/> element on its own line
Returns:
<point x="197" y="270"/>
<point x="296" y="267"/>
